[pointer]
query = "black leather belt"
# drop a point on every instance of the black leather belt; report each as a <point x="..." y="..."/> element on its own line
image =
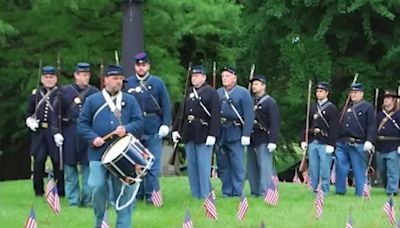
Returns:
<point x="192" y="118"/>
<point x="354" y="140"/>
<point x="318" y="131"/>
<point x="388" y="138"/>
<point x="226" y="121"/>
<point x="150" y="114"/>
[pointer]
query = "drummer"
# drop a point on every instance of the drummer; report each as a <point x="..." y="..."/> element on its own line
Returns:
<point x="105" y="116"/>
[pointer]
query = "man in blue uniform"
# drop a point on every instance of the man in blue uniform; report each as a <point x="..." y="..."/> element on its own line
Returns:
<point x="322" y="136"/>
<point x="263" y="138"/>
<point x="201" y="126"/>
<point x="237" y="119"/>
<point x="388" y="142"/>
<point x="104" y="112"/>
<point x="42" y="119"/>
<point x="152" y="95"/>
<point x="357" y="133"/>
<point x="75" y="149"/>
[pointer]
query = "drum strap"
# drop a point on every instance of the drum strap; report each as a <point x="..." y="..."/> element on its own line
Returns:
<point x="134" y="193"/>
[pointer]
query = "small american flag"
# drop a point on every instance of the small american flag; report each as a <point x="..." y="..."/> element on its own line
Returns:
<point x="271" y="195"/>
<point x="243" y="207"/>
<point x="349" y="223"/>
<point x="104" y="222"/>
<point x="31" y="221"/>
<point x="187" y="223"/>
<point x="156" y="198"/>
<point x="296" y="178"/>
<point x="319" y="203"/>
<point x="366" y="193"/>
<point x="388" y="208"/>
<point x="275" y="178"/>
<point x="211" y="209"/>
<point x="307" y="180"/>
<point x="52" y="197"/>
<point x="333" y="174"/>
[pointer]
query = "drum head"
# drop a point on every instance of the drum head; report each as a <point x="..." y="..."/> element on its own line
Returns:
<point x="116" y="149"/>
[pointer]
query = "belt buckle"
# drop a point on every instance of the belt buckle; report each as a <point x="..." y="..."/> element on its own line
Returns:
<point x="45" y="125"/>
<point x="317" y="130"/>
<point x="223" y="119"/>
<point x="255" y="121"/>
<point x="352" y="140"/>
<point x="190" y="118"/>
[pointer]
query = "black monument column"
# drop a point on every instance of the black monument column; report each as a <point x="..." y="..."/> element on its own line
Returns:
<point x="132" y="33"/>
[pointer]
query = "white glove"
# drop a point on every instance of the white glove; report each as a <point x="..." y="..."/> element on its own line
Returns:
<point x="329" y="149"/>
<point x="398" y="149"/>
<point x="245" y="140"/>
<point x="58" y="139"/>
<point x="303" y="145"/>
<point x="367" y="146"/>
<point x="271" y="147"/>
<point x="210" y="141"/>
<point x="163" y="131"/>
<point x="32" y="123"/>
<point x="175" y="136"/>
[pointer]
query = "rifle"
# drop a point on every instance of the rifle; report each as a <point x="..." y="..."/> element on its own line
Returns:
<point x="174" y="159"/>
<point x="347" y="102"/>
<point x="214" y="85"/>
<point x="37" y="87"/>
<point x="252" y="69"/>
<point x="60" y="148"/>
<point x="398" y="95"/>
<point x="116" y="57"/>
<point x="303" y="164"/>
<point x="101" y="74"/>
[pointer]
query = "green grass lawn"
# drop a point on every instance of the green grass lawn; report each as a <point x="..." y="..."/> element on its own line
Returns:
<point x="295" y="209"/>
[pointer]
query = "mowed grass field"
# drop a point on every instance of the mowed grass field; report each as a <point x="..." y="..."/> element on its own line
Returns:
<point x="295" y="208"/>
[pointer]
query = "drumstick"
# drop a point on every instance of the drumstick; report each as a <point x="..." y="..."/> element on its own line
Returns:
<point x="109" y="135"/>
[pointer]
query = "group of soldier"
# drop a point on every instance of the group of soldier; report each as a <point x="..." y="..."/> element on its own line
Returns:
<point x="353" y="134"/>
<point x="69" y="124"/>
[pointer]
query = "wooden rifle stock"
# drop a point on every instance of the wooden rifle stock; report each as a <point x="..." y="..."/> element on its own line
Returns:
<point x="303" y="164"/>
<point x="174" y="159"/>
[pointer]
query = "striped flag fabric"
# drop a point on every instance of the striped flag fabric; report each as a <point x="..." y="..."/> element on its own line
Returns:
<point x="156" y="198"/>
<point x="104" y="222"/>
<point x="187" y="223"/>
<point x="31" y="222"/>
<point x="307" y="180"/>
<point x="275" y="178"/>
<point x="319" y="203"/>
<point x="52" y="197"/>
<point x="366" y="193"/>
<point x="388" y="208"/>
<point x="296" y="178"/>
<point x="349" y="223"/>
<point x="271" y="196"/>
<point x="211" y="209"/>
<point x="243" y="207"/>
<point x="333" y="173"/>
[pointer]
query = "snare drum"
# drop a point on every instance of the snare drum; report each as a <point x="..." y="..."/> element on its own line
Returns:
<point x="128" y="159"/>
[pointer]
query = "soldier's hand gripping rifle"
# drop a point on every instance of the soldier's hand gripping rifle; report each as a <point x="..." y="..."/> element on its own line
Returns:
<point x="174" y="159"/>
<point x="303" y="164"/>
